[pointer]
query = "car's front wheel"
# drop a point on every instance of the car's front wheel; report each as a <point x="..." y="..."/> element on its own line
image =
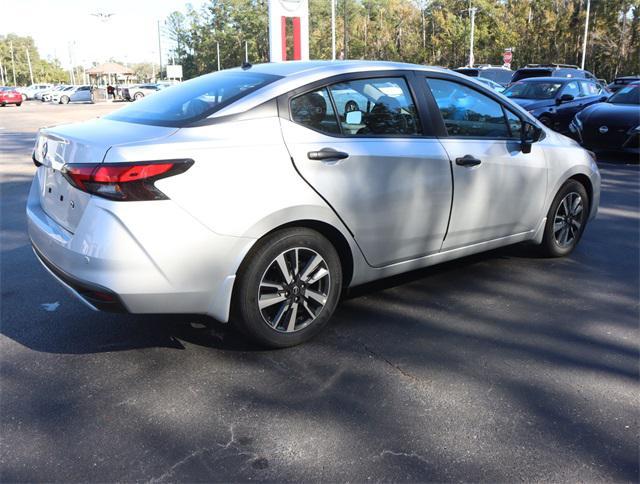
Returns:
<point x="64" y="100"/>
<point x="138" y="96"/>
<point x="566" y="220"/>
<point x="288" y="287"/>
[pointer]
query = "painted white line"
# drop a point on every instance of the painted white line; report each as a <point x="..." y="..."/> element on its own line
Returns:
<point x="50" y="306"/>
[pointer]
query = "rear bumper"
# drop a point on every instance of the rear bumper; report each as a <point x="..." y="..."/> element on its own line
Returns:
<point x="139" y="257"/>
<point x="96" y="297"/>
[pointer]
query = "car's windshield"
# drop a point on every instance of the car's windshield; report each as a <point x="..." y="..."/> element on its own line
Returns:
<point x="626" y="95"/>
<point x="192" y="100"/>
<point x="533" y="90"/>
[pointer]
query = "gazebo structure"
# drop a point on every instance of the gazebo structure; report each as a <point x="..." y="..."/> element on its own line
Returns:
<point x="109" y="73"/>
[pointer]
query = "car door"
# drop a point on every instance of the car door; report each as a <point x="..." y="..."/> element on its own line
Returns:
<point x="499" y="191"/>
<point x="361" y="144"/>
<point x="566" y="110"/>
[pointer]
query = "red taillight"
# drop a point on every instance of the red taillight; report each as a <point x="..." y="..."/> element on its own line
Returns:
<point x="124" y="181"/>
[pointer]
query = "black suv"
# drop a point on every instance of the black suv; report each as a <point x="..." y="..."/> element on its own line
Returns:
<point x="551" y="70"/>
<point x="498" y="74"/>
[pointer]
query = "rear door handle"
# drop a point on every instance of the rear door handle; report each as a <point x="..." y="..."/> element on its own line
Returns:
<point x="468" y="160"/>
<point x="327" y="154"/>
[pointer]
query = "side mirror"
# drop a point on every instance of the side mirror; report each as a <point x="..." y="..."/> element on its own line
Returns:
<point x="354" y="117"/>
<point x="565" y="98"/>
<point x="530" y="134"/>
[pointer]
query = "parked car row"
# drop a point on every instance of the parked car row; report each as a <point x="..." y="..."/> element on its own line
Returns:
<point x="572" y="101"/>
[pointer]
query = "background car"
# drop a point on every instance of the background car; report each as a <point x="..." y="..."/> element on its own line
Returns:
<point x="620" y="82"/>
<point x="130" y="210"/>
<point x="31" y="91"/>
<point x="498" y="74"/>
<point x="73" y="94"/>
<point x="613" y="125"/>
<point x="551" y="70"/>
<point x="10" y="95"/>
<point x="555" y="100"/>
<point x="133" y="93"/>
<point x="46" y="95"/>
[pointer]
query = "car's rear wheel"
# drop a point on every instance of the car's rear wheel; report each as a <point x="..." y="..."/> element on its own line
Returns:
<point x="19" y="104"/>
<point x="566" y="220"/>
<point x="137" y="96"/>
<point x="64" y="100"/>
<point x="288" y="288"/>
<point x="3" y="104"/>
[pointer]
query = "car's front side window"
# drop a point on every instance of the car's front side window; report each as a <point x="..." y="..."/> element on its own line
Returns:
<point x="572" y="88"/>
<point x="468" y="113"/>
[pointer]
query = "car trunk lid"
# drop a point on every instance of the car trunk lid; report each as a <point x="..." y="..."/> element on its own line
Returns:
<point x="82" y="143"/>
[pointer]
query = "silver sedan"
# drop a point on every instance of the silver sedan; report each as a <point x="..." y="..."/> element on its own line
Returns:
<point x="257" y="195"/>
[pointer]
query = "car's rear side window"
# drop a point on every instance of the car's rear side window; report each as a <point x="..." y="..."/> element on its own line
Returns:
<point x="193" y="100"/>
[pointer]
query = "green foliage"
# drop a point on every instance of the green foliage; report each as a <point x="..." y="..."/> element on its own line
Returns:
<point x="43" y="70"/>
<point x="432" y="32"/>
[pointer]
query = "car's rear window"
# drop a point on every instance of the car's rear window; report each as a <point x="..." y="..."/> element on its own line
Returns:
<point x="192" y="100"/>
<point x="527" y="73"/>
<point x="501" y="76"/>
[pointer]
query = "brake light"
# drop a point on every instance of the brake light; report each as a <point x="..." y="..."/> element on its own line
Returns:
<point x="124" y="181"/>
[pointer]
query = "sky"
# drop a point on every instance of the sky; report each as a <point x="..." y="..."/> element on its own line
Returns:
<point x="130" y="35"/>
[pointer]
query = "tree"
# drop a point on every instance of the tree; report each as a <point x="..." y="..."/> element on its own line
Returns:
<point x="43" y="70"/>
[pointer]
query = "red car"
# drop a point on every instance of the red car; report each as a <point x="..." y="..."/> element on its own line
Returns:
<point x="9" y="95"/>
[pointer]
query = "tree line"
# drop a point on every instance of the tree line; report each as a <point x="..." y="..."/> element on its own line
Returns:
<point x="434" y="32"/>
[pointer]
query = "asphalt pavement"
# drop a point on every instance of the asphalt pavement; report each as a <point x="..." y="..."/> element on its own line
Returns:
<point x="498" y="367"/>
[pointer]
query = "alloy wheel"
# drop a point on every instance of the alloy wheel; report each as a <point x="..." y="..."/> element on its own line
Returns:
<point x="294" y="289"/>
<point x="568" y="220"/>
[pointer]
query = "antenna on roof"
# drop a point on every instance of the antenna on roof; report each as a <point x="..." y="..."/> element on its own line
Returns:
<point x="246" y="65"/>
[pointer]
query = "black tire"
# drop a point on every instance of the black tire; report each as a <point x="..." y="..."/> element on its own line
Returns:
<point x="18" y="104"/>
<point x="551" y="246"/>
<point x="546" y="120"/>
<point x="250" y="319"/>
<point x="64" y="100"/>
<point x="137" y="96"/>
<point x="3" y="104"/>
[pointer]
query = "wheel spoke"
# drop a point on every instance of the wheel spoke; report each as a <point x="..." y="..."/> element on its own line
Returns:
<point x="296" y="262"/>
<point x="558" y="226"/>
<point x="268" y="300"/>
<point x="311" y="265"/>
<point x="320" y="273"/>
<point x="316" y="296"/>
<point x="272" y="285"/>
<point x="282" y="264"/>
<point x="564" y="235"/>
<point x="565" y="208"/>
<point x="306" y="306"/>
<point x="578" y="210"/>
<point x="576" y="224"/>
<point x="283" y="309"/>
<point x="292" y="319"/>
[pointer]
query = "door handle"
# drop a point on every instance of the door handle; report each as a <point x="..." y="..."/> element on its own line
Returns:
<point x="327" y="154"/>
<point x="468" y="160"/>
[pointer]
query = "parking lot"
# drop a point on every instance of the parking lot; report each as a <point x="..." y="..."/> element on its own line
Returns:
<point x="498" y="367"/>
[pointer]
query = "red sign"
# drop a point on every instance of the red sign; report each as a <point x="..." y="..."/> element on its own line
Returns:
<point x="507" y="57"/>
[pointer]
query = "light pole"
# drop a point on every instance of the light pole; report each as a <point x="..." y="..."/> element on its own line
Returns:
<point x="333" y="29"/>
<point x="13" y="63"/>
<point x="586" y="34"/>
<point x="159" y="52"/>
<point x="218" y="53"/>
<point x="29" y="62"/>
<point x="472" y="13"/>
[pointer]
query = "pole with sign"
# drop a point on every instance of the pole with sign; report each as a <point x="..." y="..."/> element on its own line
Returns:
<point x="507" y="57"/>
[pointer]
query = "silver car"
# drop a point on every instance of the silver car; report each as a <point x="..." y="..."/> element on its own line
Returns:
<point x="72" y="94"/>
<point x="258" y="195"/>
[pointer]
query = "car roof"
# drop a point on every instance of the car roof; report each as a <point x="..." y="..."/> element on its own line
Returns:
<point x="552" y="79"/>
<point x="296" y="74"/>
